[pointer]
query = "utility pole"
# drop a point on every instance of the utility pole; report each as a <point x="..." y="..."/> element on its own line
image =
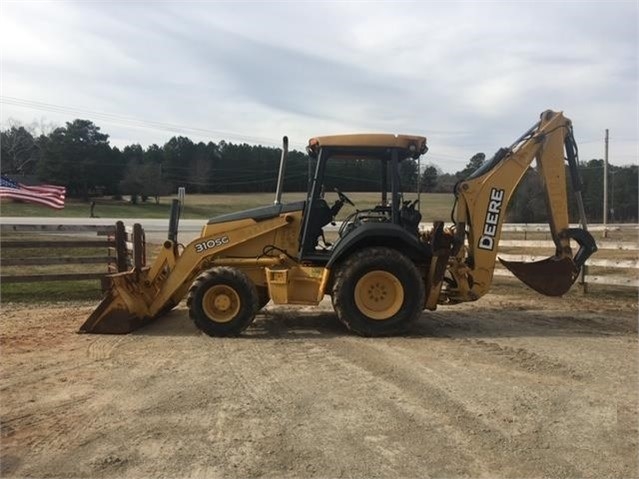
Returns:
<point x="605" y="188"/>
<point x="419" y="184"/>
<point x="310" y="175"/>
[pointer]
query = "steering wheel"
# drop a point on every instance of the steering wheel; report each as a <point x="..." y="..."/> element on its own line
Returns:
<point x="343" y="197"/>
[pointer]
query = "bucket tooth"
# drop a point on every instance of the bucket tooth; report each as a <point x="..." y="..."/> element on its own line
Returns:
<point x="552" y="276"/>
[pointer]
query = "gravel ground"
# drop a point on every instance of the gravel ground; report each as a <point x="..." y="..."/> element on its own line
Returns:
<point x="514" y="385"/>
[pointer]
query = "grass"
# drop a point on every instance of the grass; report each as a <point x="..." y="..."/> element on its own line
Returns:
<point x="105" y="208"/>
<point x="433" y="206"/>
<point x="50" y="291"/>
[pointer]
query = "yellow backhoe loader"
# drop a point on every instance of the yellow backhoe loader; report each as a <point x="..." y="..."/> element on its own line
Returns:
<point x="382" y="271"/>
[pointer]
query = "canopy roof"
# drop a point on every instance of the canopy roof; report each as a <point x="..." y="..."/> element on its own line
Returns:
<point x="369" y="144"/>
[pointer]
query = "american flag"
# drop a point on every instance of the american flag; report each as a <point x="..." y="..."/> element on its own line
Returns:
<point x="48" y="195"/>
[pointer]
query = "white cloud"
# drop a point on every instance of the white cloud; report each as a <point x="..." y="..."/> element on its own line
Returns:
<point x="471" y="76"/>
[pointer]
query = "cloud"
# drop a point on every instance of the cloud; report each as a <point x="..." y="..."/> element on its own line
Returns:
<point x="470" y="76"/>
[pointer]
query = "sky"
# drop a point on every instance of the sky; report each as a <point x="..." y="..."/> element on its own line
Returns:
<point x="470" y="76"/>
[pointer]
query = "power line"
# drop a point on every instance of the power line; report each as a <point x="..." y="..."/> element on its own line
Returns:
<point x="234" y="183"/>
<point x="131" y="122"/>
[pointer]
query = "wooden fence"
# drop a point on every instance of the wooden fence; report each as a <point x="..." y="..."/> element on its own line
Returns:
<point x="123" y="248"/>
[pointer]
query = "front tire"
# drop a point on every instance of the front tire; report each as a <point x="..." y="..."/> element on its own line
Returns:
<point x="378" y="292"/>
<point x="222" y="302"/>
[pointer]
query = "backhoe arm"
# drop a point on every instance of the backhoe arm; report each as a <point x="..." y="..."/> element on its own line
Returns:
<point x="482" y="201"/>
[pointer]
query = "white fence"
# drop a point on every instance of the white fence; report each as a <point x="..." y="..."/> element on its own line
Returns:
<point x="615" y="263"/>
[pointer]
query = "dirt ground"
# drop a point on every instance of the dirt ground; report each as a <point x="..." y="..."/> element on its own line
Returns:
<point x="510" y="386"/>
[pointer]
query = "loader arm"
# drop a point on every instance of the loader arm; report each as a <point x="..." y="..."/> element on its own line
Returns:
<point x="138" y="296"/>
<point x="481" y="206"/>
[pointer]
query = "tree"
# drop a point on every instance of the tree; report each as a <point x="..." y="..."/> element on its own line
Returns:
<point x="79" y="157"/>
<point x="133" y="154"/>
<point x="429" y="179"/>
<point x="624" y="201"/>
<point x="133" y="180"/>
<point x="154" y="154"/>
<point x="179" y="153"/>
<point x="143" y="175"/>
<point x="145" y="180"/>
<point x="200" y="171"/>
<point x="528" y="203"/>
<point x="154" y="185"/>
<point x="622" y="191"/>
<point x="474" y="163"/>
<point x="19" y="151"/>
<point x="445" y="183"/>
<point x="592" y="190"/>
<point x="408" y="175"/>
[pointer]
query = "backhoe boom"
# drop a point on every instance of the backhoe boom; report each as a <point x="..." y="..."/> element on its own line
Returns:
<point x="483" y="198"/>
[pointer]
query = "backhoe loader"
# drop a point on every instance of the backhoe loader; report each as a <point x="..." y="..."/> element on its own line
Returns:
<point x="382" y="271"/>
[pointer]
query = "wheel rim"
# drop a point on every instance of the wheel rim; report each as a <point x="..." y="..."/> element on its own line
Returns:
<point x="221" y="303"/>
<point x="379" y="295"/>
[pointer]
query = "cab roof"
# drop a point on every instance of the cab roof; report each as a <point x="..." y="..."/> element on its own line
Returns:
<point x="369" y="144"/>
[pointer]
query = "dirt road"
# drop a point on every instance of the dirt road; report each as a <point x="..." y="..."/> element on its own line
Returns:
<point x="531" y="387"/>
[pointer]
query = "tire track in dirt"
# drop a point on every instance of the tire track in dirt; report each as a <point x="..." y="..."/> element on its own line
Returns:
<point x="36" y="418"/>
<point x="495" y="353"/>
<point x="44" y="433"/>
<point x="570" y="396"/>
<point x="103" y="346"/>
<point x="38" y="373"/>
<point x="61" y="425"/>
<point x="297" y="383"/>
<point x="524" y="360"/>
<point x="137" y="431"/>
<point x="254" y="397"/>
<point x="349" y="377"/>
<point x="383" y="407"/>
<point x="425" y="396"/>
<point x="318" y="375"/>
<point x="505" y="340"/>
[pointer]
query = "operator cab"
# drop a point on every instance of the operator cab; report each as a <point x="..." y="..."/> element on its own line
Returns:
<point x="373" y="162"/>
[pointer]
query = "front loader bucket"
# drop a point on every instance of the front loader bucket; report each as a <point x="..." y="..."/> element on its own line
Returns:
<point x="111" y="317"/>
<point x="122" y="309"/>
<point x="552" y="276"/>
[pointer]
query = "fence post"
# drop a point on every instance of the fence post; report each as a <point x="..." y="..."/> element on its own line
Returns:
<point x="582" y="281"/>
<point x="120" y="246"/>
<point x="139" y="253"/>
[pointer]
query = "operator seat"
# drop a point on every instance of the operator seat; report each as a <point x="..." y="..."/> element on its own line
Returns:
<point x="320" y="217"/>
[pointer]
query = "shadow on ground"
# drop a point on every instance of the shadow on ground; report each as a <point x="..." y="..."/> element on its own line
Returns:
<point x="289" y="323"/>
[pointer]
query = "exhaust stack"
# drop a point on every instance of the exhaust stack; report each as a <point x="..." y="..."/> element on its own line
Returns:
<point x="280" y="177"/>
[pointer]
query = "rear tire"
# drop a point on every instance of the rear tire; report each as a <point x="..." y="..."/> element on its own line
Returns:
<point x="378" y="292"/>
<point x="222" y="302"/>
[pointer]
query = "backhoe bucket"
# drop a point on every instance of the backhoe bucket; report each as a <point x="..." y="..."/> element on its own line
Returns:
<point x="121" y="311"/>
<point x="552" y="276"/>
